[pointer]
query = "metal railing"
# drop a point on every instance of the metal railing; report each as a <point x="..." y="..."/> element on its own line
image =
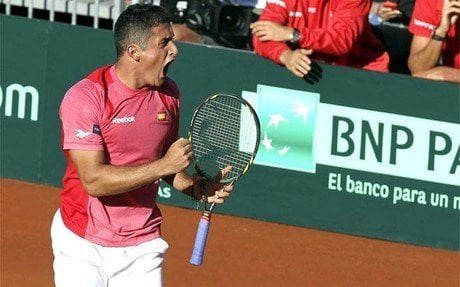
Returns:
<point x="98" y="9"/>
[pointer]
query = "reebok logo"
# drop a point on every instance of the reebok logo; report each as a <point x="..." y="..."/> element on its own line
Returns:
<point x="82" y="134"/>
<point x="124" y="120"/>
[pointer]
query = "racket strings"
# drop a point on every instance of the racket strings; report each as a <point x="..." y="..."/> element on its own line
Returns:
<point x="228" y="126"/>
<point x="218" y="122"/>
<point x="223" y="135"/>
<point x="228" y="120"/>
<point x="238" y="161"/>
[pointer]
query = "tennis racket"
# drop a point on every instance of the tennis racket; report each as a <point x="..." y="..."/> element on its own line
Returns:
<point x="225" y="131"/>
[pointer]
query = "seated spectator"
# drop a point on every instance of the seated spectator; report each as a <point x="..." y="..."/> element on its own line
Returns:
<point x="435" y="49"/>
<point x="390" y="22"/>
<point x="293" y="33"/>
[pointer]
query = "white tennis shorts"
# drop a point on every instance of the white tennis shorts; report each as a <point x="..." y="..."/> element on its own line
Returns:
<point x="78" y="262"/>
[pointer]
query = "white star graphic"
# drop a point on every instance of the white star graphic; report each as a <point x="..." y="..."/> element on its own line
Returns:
<point x="283" y="151"/>
<point x="276" y="119"/>
<point x="301" y="110"/>
<point x="267" y="142"/>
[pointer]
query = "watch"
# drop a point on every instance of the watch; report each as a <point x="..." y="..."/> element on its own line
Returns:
<point x="436" y="37"/>
<point x="295" y="36"/>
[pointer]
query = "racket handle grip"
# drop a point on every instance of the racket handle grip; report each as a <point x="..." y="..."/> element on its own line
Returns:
<point x="200" y="240"/>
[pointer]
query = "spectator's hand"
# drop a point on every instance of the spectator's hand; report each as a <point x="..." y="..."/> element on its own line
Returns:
<point x="387" y="13"/>
<point x="450" y="14"/>
<point x="178" y="157"/>
<point x="214" y="192"/>
<point x="297" y="61"/>
<point x="271" y="31"/>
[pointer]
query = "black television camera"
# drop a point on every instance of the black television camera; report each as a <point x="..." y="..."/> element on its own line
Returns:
<point x="218" y="17"/>
<point x="227" y="23"/>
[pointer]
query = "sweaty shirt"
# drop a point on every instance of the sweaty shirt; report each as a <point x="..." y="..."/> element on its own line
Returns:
<point x="132" y="127"/>
<point x="338" y="32"/>
<point x="426" y="17"/>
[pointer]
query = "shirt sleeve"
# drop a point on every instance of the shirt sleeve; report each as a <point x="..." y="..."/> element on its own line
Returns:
<point x="275" y="11"/>
<point x="423" y="20"/>
<point x="79" y="119"/>
<point x="347" y="24"/>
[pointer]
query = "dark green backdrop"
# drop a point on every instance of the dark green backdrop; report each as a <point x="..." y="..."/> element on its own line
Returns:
<point x="51" y="57"/>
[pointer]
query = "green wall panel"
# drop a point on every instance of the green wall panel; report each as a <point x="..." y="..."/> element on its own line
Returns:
<point x="50" y="57"/>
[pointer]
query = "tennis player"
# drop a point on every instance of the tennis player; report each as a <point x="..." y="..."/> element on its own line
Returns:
<point x="120" y="137"/>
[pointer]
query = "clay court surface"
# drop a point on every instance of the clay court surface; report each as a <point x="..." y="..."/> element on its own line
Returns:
<point x="240" y="252"/>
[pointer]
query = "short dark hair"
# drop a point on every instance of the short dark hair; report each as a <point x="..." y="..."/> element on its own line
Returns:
<point x="134" y="25"/>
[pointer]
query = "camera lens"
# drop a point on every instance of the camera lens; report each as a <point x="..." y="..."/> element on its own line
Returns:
<point x="231" y="20"/>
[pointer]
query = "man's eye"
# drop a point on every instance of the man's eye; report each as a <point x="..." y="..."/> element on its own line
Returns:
<point x="164" y="43"/>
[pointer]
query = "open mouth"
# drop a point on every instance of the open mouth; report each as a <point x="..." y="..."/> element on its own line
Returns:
<point x="165" y="68"/>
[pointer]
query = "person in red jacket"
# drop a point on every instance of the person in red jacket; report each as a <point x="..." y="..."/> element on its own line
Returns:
<point x="435" y="49"/>
<point x="293" y="33"/>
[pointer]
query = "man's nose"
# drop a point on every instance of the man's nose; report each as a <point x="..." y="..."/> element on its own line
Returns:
<point x="173" y="50"/>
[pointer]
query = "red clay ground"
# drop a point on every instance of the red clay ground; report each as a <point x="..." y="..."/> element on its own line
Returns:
<point x="240" y="252"/>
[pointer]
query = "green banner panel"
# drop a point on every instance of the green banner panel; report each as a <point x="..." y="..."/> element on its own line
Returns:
<point x="344" y="150"/>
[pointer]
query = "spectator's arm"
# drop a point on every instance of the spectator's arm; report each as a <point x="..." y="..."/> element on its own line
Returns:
<point x="271" y="50"/>
<point x="338" y="37"/>
<point x="441" y="73"/>
<point x="424" y="54"/>
<point x="275" y="11"/>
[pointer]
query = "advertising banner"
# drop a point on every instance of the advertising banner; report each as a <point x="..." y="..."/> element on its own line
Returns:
<point x="352" y="151"/>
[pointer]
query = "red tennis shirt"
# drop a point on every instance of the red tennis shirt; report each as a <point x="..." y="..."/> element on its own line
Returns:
<point x="426" y="17"/>
<point x="132" y="127"/>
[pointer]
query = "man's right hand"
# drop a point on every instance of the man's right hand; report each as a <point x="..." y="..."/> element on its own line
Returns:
<point x="297" y="61"/>
<point x="271" y="31"/>
<point x="179" y="156"/>
<point x="450" y="14"/>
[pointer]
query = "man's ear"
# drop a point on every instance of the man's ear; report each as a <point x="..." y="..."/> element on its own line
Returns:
<point x="133" y="52"/>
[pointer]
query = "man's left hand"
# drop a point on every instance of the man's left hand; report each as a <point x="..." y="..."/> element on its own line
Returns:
<point x="213" y="191"/>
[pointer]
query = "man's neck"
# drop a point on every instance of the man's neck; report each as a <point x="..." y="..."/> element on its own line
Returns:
<point x="128" y="75"/>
